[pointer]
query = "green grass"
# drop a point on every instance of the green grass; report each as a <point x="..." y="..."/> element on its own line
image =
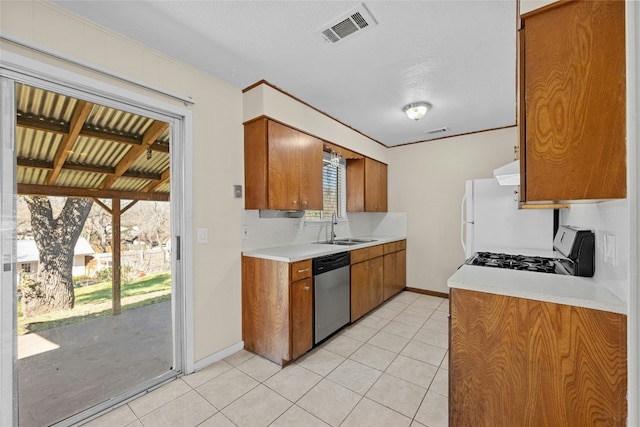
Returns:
<point x="95" y="301"/>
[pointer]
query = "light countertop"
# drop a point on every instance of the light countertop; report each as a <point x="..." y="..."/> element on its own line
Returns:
<point x="556" y="288"/>
<point x="299" y="252"/>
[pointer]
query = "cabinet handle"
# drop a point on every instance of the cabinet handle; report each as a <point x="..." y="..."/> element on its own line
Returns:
<point x="307" y="288"/>
<point x="304" y="203"/>
<point x="295" y="202"/>
<point x="303" y="271"/>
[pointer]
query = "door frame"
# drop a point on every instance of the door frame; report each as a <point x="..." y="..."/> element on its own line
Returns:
<point x="16" y="68"/>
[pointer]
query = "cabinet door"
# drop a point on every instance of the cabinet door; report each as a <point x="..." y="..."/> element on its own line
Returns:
<point x="375" y="186"/>
<point x="395" y="273"/>
<point x="390" y="275"/>
<point x="301" y="300"/>
<point x="359" y="290"/>
<point x="283" y="171"/>
<point x="376" y="282"/>
<point x="401" y="270"/>
<point x="574" y="100"/>
<point x="515" y="361"/>
<point x="310" y="171"/>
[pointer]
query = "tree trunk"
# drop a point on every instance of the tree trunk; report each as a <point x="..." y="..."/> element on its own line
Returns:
<point x="55" y="240"/>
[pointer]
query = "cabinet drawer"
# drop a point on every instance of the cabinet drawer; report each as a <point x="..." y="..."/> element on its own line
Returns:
<point x="390" y="247"/>
<point x="300" y="270"/>
<point x="364" y="254"/>
<point x="400" y="245"/>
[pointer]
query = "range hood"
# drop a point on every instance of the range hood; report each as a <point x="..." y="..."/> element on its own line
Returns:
<point x="508" y="174"/>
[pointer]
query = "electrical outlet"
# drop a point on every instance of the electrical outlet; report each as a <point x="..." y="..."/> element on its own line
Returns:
<point x="245" y="231"/>
<point x="609" y="249"/>
<point x="203" y="235"/>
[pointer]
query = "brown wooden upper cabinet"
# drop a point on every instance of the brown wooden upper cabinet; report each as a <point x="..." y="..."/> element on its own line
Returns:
<point x="572" y="102"/>
<point x="366" y="185"/>
<point x="283" y="167"/>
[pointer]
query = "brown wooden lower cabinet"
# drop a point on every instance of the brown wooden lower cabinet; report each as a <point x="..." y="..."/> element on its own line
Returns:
<point x="277" y="308"/>
<point x="277" y="298"/>
<point x="395" y="268"/>
<point x="301" y="317"/>
<point x="519" y="362"/>
<point x="366" y="280"/>
<point x="366" y="287"/>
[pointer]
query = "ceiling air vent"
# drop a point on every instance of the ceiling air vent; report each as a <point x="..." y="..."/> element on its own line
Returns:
<point x="439" y="130"/>
<point x="354" y="21"/>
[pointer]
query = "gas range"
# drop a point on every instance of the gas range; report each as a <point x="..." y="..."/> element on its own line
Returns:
<point x="576" y="246"/>
<point x="514" y="262"/>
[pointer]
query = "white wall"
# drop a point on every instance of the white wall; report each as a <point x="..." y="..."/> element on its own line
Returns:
<point x="265" y="100"/>
<point x="427" y="182"/>
<point x="274" y="232"/>
<point x="607" y="218"/>
<point x="217" y="148"/>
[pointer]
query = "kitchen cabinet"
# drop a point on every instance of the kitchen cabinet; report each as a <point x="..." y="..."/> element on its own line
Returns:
<point x="277" y="308"/>
<point x="395" y="268"/>
<point x="367" y="266"/>
<point x="283" y="167"/>
<point x="515" y="361"/>
<point x="366" y="185"/>
<point x="572" y="102"/>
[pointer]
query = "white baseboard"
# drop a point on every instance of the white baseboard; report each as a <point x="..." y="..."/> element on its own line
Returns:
<point x="215" y="357"/>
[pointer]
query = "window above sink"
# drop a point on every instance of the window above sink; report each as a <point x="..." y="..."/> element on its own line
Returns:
<point x="334" y="189"/>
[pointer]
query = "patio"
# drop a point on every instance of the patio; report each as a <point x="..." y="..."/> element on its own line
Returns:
<point x="64" y="370"/>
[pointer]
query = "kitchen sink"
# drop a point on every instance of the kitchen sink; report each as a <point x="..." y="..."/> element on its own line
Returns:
<point x="347" y="241"/>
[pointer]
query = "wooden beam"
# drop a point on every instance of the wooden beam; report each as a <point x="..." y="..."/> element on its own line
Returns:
<point x="35" y="123"/>
<point x="43" y="164"/>
<point x="78" y="119"/>
<point x="115" y="256"/>
<point x="166" y="175"/>
<point x="90" y="193"/>
<point x="102" y="205"/>
<point x="88" y="132"/>
<point x="154" y="131"/>
<point x="129" y="206"/>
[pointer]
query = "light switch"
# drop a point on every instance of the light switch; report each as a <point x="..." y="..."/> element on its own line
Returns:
<point x="237" y="191"/>
<point x="203" y="235"/>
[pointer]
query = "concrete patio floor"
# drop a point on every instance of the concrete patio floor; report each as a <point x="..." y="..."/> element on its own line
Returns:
<point x="65" y="370"/>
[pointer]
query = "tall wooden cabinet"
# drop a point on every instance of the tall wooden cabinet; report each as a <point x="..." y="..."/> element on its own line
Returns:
<point x="283" y="167"/>
<point x="277" y="308"/>
<point x="366" y="185"/>
<point x="519" y="362"/>
<point x="572" y="102"/>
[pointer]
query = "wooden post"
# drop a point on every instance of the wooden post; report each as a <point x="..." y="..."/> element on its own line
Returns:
<point x="115" y="261"/>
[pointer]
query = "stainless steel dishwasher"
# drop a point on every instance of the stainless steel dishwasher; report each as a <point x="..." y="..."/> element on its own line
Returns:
<point x="332" y="294"/>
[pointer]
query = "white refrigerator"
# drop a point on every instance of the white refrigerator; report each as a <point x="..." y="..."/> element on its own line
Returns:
<point x="492" y="222"/>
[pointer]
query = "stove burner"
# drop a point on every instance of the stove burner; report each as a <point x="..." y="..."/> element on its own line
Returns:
<point x="514" y="262"/>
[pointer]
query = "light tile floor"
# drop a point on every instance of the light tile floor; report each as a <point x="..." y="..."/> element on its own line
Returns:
<point x="387" y="369"/>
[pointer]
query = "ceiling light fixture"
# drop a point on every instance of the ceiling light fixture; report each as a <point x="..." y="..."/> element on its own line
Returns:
<point x="417" y="110"/>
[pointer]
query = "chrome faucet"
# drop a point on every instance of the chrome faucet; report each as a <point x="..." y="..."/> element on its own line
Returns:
<point x="334" y="221"/>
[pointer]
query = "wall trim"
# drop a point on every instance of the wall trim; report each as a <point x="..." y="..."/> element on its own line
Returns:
<point x="216" y="357"/>
<point x="428" y="292"/>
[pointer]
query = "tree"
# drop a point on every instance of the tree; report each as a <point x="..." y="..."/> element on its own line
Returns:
<point x="55" y="239"/>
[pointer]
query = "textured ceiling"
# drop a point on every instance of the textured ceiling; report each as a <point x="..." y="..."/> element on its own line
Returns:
<point x="459" y="56"/>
